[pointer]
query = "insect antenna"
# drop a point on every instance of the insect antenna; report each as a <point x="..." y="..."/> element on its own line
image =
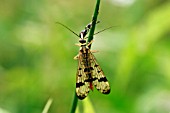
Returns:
<point x="67" y="28"/>
<point x="104" y="30"/>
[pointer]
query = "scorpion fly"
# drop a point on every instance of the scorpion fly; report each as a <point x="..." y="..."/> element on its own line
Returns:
<point x="89" y="72"/>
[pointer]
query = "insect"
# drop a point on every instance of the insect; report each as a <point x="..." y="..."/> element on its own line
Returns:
<point x="89" y="72"/>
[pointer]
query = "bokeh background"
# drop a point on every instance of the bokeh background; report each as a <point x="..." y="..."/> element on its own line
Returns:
<point x="36" y="55"/>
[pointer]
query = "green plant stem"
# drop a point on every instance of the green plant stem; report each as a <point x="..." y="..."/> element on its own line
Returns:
<point x="94" y="19"/>
<point x="73" y="109"/>
<point x="90" y="38"/>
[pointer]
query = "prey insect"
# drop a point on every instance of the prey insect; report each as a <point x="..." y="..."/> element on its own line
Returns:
<point x="89" y="72"/>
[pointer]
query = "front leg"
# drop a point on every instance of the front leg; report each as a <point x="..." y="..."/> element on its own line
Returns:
<point x="76" y="57"/>
<point x="94" y="51"/>
<point x="78" y="44"/>
<point x="90" y="43"/>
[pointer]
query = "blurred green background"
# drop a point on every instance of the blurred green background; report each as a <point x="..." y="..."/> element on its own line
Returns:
<point x="36" y="55"/>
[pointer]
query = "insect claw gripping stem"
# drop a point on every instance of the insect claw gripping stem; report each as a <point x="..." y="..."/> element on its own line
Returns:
<point x="90" y="43"/>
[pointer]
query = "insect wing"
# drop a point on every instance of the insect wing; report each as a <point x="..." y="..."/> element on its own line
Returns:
<point x="99" y="80"/>
<point x="82" y="86"/>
